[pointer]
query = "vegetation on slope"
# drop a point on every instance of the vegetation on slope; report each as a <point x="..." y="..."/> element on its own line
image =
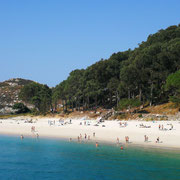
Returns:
<point x="125" y="80"/>
<point x="139" y="75"/>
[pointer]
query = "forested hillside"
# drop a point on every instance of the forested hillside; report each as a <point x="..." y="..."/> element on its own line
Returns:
<point x="132" y="77"/>
<point x="127" y="79"/>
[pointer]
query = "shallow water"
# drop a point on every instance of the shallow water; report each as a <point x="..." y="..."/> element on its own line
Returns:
<point x="58" y="159"/>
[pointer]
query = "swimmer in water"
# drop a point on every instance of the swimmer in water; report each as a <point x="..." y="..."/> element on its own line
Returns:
<point x="97" y="144"/>
<point x="37" y="135"/>
<point x="122" y="148"/>
<point x="22" y="137"/>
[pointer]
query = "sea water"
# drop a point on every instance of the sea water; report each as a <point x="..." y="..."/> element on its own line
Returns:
<point x="41" y="159"/>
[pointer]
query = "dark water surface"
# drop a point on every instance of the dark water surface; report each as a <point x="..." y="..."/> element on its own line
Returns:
<point x="57" y="159"/>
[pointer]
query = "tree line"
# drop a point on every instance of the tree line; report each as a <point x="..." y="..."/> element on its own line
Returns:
<point x="126" y="79"/>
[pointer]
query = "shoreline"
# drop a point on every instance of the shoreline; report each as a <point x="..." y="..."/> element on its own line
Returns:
<point x="106" y="132"/>
<point x="101" y="142"/>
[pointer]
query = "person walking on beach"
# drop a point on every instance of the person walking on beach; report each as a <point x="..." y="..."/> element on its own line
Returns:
<point x="85" y="136"/>
<point x="94" y="134"/>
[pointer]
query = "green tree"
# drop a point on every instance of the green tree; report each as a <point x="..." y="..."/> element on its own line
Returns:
<point x="20" y="108"/>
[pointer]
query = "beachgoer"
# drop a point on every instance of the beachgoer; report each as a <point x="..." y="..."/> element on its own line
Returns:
<point x="171" y="127"/>
<point x="22" y="137"/>
<point x="162" y="127"/>
<point x="70" y="139"/>
<point x="157" y="140"/>
<point x="37" y="135"/>
<point x="94" y="134"/>
<point x="127" y="139"/>
<point x="85" y="136"/>
<point x="159" y="126"/>
<point x="97" y="144"/>
<point x="145" y="138"/>
<point x="121" y="147"/>
<point x="117" y="140"/>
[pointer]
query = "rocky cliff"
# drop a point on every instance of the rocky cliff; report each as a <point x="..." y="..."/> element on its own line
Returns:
<point x="9" y="91"/>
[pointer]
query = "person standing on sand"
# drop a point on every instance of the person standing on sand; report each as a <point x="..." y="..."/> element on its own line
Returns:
<point x="85" y="136"/>
<point x="127" y="139"/>
<point x="144" y="138"/>
<point x="94" y="134"/>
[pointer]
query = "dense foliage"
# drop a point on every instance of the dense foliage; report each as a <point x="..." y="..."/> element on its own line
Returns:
<point x="173" y="87"/>
<point x="125" y="80"/>
<point x="138" y="74"/>
<point x="37" y="94"/>
<point x="20" y="108"/>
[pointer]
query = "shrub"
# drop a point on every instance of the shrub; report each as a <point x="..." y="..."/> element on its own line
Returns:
<point x="20" y="108"/>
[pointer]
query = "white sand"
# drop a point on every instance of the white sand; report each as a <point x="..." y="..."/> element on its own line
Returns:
<point x="109" y="133"/>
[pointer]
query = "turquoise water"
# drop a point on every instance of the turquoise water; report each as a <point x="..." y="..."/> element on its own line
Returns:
<point x="57" y="159"/>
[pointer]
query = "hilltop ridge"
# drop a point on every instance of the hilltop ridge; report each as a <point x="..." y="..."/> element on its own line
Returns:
<point x="9" y="93"/>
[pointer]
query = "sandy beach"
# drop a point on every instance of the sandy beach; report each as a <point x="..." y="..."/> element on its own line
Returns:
<point x="108" y="131"/>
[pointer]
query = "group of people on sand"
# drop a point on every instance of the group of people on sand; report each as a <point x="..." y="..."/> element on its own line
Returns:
<point x="126" y="139"/>
<point x="146" y="139"/>
<point x="123" y="124"/>
<point x="86" y="137"/>
<point x="161" y="127"/>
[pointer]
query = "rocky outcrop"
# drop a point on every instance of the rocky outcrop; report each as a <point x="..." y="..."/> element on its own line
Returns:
<point x="9" y="94"/>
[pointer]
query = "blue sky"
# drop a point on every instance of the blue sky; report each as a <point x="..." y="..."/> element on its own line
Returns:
<point x="44" y="40"/>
